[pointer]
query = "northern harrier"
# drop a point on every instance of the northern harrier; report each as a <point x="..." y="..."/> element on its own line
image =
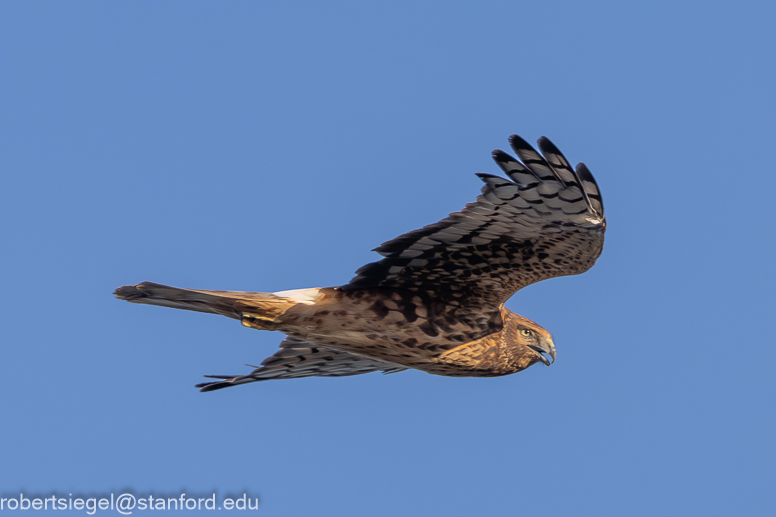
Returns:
<point x="435" y="302"/>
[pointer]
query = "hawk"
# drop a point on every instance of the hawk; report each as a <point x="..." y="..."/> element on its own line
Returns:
<point x="435" y="302"/>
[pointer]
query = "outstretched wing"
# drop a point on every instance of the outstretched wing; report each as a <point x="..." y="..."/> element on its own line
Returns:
<point x="546" y="220"/>
<point x="299" y="358"/>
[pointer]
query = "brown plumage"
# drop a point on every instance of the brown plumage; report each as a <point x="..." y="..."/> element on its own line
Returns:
<point x="435" y="302"/>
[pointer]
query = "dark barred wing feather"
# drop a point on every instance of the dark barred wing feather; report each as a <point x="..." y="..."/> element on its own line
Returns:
<point x="546" y="220"/>
<point x="300" y="358"/>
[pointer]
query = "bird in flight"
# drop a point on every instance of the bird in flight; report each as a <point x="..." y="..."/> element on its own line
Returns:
<point x="435" y="302"/>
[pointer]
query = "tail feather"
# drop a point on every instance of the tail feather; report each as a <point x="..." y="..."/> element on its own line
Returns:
<point x="265" y="311"/>
<point x="233" y="304"/>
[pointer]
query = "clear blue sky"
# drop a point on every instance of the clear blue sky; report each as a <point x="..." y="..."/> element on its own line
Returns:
<point x="247" y="146"/>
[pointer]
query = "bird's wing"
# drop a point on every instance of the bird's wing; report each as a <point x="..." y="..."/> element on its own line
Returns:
<point x="300" y="358"/>
<point x="546" y="220"/>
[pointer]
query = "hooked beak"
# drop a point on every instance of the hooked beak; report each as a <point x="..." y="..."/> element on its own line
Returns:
<point x="547" y="347"/>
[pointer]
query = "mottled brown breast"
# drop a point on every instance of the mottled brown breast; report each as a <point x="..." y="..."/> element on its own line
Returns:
<point x="393" y="325"/>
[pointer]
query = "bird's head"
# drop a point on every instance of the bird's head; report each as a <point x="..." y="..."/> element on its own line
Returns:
<point x="527" y="342"/>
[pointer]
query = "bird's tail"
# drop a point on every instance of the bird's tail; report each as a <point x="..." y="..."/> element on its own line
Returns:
<point x="257" y="310"/>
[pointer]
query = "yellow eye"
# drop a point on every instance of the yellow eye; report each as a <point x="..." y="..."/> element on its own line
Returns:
<point x="526" y="332"/>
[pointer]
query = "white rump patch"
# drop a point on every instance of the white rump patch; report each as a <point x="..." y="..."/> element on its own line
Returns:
<point x="307" y="296"/>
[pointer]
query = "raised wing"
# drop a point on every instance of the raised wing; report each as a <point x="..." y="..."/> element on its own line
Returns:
<point x="299" y="358"/>
<point x="546" y="220"/>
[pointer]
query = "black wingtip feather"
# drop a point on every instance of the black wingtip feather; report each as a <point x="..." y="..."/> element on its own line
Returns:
<point x="546" y="146"/>
<point x="498" y="154"/>
<point x="484" y="176"/>
<point x="517" y="142"/>
<point x="587" y="177"/>
<point x="213" y="386"/>
<point x="216" y="385"/>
